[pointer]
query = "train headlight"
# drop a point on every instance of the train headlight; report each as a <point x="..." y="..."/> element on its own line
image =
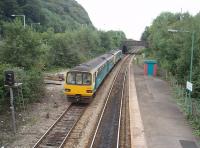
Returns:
<point x="67" y="90"/>
<point x="89" y="91"/>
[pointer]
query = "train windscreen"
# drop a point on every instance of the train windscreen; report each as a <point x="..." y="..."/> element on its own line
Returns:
<point x="79" y="78"/>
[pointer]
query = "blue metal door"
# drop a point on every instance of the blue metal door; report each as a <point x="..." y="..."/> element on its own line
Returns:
<point x="150" y="69"/>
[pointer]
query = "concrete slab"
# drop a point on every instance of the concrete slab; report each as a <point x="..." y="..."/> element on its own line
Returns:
<point x="164" y="124"/>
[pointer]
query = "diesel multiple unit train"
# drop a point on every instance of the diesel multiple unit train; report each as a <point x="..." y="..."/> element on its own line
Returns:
<point x="83" y="80"/>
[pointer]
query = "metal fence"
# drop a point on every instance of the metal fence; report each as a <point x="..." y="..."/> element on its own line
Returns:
<point x="190" y="107"/>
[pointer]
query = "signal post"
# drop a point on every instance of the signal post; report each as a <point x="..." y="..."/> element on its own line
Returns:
<point x="9" y="82"/>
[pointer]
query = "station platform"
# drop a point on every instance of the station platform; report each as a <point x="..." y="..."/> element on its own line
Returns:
<point x="159" y="122"/>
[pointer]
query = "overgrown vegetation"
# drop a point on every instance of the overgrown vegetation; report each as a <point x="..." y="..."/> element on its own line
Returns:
<point x="61" y="15"/>
<point x="173" y="52"/>
<point x="65" y="38"/>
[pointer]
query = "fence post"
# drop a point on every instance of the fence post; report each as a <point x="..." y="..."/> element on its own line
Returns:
<point x="186" y="99"/>
<point x="191" y="106"/>
<point x="166" y="75"/>
<point x="182" y="95"/>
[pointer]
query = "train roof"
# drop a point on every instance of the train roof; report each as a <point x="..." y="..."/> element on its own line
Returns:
<point x="94" y="63"/>
<point x="114" y="52"/>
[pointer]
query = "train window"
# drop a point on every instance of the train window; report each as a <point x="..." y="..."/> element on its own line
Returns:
<point x="71" y="78"/>
<point x="86" y="78"/>
<point x="94" y="76"/>
<point x="78" y="78"/>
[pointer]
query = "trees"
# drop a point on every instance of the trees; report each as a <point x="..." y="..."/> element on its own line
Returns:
<point x="73" y="47"/>
<point x="7" y="8"/>
<point x="32" y="11"/>
<point x="21" y="47"/>
<point x="21" y="51"/>
<point x="173" y="49"/>
<point x="64" y="39"/>
<point x="61" y="15"/>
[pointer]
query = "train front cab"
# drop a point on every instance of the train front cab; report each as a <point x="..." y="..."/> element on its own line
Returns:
<point x="79" y="87"/>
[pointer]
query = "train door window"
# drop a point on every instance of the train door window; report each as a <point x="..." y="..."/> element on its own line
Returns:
<point x="94" y="76"/>
<point x="86" y="78"/>
<point x="71" y="78"/>
<point x="78" y="78"/>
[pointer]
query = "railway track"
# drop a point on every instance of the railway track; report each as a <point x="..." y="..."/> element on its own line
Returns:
<point x="107" y="133"/>
<point x="125" y="134"/>
<point x="58" y="133"/>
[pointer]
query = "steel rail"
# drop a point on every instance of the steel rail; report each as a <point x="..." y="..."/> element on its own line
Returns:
<point x="119" y="122"/>
<point x="107" y="98"/>
<point x="50" y="128"/>
<point x="71" y="127"/>
<point x="62" y="144"/>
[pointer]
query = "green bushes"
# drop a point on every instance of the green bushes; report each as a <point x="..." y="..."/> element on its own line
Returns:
<point x="173" y="50"/>
<point x="73" y="47"/>
<point x="21" y="52"/>
<point x="3" y="100"/>
<point x="32" y="87"/>
<point x="21" y="47"/>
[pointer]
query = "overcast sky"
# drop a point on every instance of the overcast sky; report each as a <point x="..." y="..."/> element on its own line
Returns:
<point x="132" y="16"/>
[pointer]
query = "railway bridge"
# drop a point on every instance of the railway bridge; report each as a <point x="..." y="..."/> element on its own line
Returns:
<point x="129" y="45"/>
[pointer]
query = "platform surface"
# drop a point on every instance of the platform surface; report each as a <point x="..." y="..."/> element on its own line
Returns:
<point x="136" y="124"/>
<point x="164" y="124"/>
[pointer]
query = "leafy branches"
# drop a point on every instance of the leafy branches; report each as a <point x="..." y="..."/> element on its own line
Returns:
<point x="173" y="49"/>
<point x="21" y="47"/>
<point x="32" y="52"/>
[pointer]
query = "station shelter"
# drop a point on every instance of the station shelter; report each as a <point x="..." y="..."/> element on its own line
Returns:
<point x="150" y="67"/>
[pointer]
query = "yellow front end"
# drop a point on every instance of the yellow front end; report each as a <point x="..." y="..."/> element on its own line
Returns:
<point x="83" y="90"/>
<point x="77" y="93"/>
<point x="78" y="86"/>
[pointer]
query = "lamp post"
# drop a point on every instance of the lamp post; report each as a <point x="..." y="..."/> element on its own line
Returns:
<point x="35" y="24"/>
<point x="191" y="63"/>
<point x="24" y="18"/>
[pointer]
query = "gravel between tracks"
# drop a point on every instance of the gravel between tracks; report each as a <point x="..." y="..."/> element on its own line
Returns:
<point x="125" y="135"/>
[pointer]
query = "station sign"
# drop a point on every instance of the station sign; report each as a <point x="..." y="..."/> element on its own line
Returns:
<point x="189" y="86"/>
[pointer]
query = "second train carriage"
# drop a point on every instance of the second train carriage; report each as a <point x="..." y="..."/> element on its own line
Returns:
<point x="83" y="80"/>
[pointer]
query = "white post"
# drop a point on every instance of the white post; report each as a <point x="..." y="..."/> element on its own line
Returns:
<point x="12" y="110"/>
<point x="24" y="20"/>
